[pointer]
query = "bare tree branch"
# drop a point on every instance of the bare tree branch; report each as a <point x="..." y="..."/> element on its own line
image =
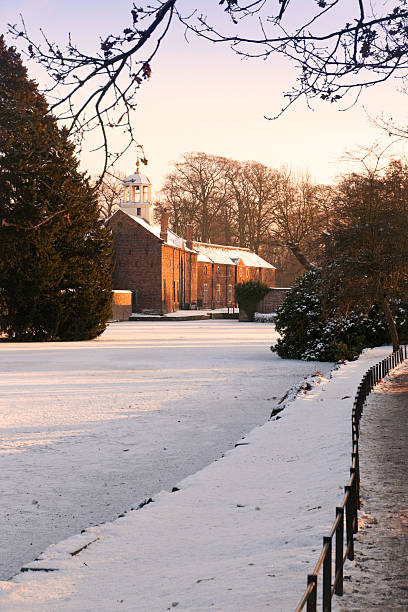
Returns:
<point x="335" y="60"/>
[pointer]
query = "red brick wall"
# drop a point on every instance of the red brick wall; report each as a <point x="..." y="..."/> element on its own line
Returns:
<point x="225" y="275"/>
<point x="137" y="256"/>
<point x="167" y="278"/>
<point x="179" y="278"/>
<point x="204" y="277"/>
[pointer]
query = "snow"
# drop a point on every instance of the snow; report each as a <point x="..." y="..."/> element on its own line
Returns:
<point x="172" y="239"/>
<point x="188" y="313"/>
<point x="221" y="254"/>
<point x="241" y="533"/>
<point x="89" y="429"/>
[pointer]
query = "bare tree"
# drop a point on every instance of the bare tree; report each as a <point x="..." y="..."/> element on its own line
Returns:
<point x="367" y="248"/>
<point x="299" y="216"/>
<point x="252" y="187"/>
<point x="196" y="192"/>
<point x="110" y="192"/>
<point x="333" y="58"/>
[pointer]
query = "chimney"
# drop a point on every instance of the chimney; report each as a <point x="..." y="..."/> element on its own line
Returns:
<point x="189" y="236"/>
<point x="164" y="225"/>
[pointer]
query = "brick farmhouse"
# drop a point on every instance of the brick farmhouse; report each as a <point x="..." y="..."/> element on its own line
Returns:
<point x="165" y="272"/>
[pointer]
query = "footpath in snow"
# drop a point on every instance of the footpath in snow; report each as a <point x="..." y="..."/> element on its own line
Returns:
<point x="378" y="578"/>
<point x="239" y="536"/>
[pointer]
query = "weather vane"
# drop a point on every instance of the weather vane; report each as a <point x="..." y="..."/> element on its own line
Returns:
<point x="141" y="157"/>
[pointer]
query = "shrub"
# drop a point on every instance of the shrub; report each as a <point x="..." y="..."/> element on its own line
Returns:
<point x="311" y="328"/>
<point x="248" y="295"/>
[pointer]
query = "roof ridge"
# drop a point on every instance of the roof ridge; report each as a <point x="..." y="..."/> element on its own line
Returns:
<point x="224" y="246"/>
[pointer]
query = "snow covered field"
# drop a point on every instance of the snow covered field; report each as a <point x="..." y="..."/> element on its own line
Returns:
<point x="90" y="429"/>
<point x="239" y="536"/>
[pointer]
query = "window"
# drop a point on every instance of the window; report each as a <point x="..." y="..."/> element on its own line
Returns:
<point x="240" y="273"/>
<point x="139" y="212"/>
<point x="205" y="270"/>
<point x="218" y="293"/>
<point x="229" y="271"/>
<point x="218" y="270"/>
<point x="145" y="194"/>
<point x="164" y="289"/>
<point x="247" y="273"/>
<point x="136" y="193"/>
<point x="205" y="294"/>
<point x="229" y="294"/>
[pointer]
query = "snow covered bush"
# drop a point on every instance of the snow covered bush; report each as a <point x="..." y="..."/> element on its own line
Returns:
<point x="264" y="317"/>
<point x="311" y="328"/>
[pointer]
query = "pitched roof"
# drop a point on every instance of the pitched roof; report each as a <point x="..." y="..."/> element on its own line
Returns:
<point x="136" y="179"/>
<point x="172" y="238"/>
<point x="220" y="254"/>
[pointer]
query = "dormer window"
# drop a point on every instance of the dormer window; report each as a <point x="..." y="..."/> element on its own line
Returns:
<point x="139" y="212"/>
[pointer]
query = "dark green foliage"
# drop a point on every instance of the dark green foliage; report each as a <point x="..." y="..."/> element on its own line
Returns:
<point x="55" y="255"/>
<point x="248" y="295"/>
<point x="311" y="328"/>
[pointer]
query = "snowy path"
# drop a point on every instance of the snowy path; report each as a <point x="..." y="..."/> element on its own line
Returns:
<point x="239" y="536"/>
<point x="90" y="429"/>
<point x="379" y="574"/>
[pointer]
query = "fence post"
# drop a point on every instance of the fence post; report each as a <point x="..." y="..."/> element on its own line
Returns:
<point x="357" y="475"/>
<point x="339" y="551"/>
<point x="349" y="524"/>
<point x="312" y="601"/>
<point x="353" y="474"/>
<point x="327" y="574"/>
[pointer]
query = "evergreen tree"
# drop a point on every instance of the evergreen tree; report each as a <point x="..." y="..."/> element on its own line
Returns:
<point x="55" y="254"/>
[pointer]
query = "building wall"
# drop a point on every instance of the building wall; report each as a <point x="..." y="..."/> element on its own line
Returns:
<point x="264" y="275"/>
<point x="164" y="278"/>
<point x="137" y="258"/>
<point x="216" y="285"/>
<point x="179" y="278"/>
<point x="216" y="282"/>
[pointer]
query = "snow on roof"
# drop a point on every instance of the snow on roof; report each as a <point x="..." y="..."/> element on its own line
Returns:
<point x="137" y="179"/>
<point x="203" y="258"/>
<point x="220" y="254"/>
<point x="172" y="238"/>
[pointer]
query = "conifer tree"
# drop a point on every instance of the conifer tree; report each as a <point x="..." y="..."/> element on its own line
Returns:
<point x="55" y="254"/>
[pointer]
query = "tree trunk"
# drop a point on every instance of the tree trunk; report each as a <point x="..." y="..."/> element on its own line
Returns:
<point x="391" y="323"/>
<point x="301" y="257"/>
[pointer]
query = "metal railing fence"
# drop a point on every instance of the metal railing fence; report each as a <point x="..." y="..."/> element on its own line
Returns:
<point x="346" y="513"/>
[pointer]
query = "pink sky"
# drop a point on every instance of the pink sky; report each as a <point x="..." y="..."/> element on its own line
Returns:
<point x="203" y="98"/>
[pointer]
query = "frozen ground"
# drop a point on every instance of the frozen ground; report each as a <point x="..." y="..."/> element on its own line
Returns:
<point x="88" y="430"/>
<point x="239" y="536"/>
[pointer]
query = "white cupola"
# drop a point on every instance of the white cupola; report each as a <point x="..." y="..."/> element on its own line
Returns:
<point x="137" y="195"/>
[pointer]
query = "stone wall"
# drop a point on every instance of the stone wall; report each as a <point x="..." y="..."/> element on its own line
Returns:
<point x="121" y="305"/>
<point x="272" y="300"/>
